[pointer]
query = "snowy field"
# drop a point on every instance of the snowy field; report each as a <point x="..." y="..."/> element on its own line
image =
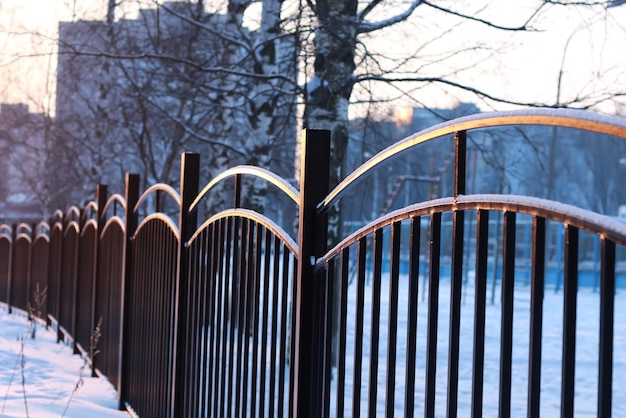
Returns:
<point x="50" y="373"/>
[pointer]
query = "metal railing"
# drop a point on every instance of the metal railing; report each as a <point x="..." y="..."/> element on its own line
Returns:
<point x="231" y="316"/>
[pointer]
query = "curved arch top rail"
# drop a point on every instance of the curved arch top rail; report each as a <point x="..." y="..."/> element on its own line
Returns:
<point x="114" y="200"/>
<point x="259" y="172"/>
<point x="260" y="219"/>
<point x="160" y="187"/>
<point x="600" y="225"/>
<point x="564" y="118"/>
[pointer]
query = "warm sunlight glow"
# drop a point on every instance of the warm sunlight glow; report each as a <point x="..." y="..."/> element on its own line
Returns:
<point x="404" y="116"/>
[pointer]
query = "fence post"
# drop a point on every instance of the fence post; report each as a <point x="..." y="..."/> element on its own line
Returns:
<point x="101" y="200"/>
<point x="189" y="185"/>
<point x="312" y="235"/>
<point x="10" y="268"/>
<point x="130" y="225"/>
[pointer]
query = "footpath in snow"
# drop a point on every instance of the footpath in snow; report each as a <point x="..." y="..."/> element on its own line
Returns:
<point x="55" y="382"/>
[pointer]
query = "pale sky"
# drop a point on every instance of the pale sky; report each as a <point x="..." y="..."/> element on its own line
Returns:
<point x="521" y="68"/>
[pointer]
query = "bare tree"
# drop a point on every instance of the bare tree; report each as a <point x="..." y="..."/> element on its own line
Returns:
<point x="178" y="78"/>
<point x="198" y="77"/>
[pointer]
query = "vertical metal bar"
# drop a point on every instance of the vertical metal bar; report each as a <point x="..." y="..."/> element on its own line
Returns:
<point x="292" y="346"/>
<point x="375" y="331"/>
<point x="607" y="306"/>
<point x="506" y="328"/>
<point x="358" y="336"/>
<point x="206" y="266"/>
<point x="197" y="312"/>
<point x="458" y="230"/>
<point x="160" y="338"/>
<point x="72" y="326"/>
<point x="275" y="336"/>
<point x="264" y="319"/>
<point x="248" y="302"/>
<point x="255" y="317"/>
<point x="242" y="313"/>
<point x="236" y="281"/>
<point x="101" y="198"/>
<point x="188" y="347"/>
<point x="480" y="298"/>
<point x="394" y="272"/>
<point x="10" y="277"/>
<point x="237" y="191"/>
<point x="214" y="366"/>
<point x="130" y="220"/>
<point x="433" y="313"/>
<point x="414" y="260"/>
<point x="209" y="322"/>
<point x="283" y="332"/>
<point x="460" y="155"/>
<point x="570" y="288"/>
<point x="329" y="279"/>
<point x="317" y="330"/>
<point x="314" y="185"/>
<point x="343" y="314"/>
<point x="219" y="308"/>
<point x="536" y="315"/>
<point x="232" y="234"/>
<point x="235" y="323"/>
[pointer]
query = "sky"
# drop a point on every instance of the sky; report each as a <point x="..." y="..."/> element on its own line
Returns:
<point x="590" y="42"/>
<point x="51" y="374"/>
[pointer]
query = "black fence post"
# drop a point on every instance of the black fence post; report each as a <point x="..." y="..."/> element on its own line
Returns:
<point x="101" y="200"/>
<point x="10" y="269"/>
<point x="458" y="240"/>
<point x="189" y="185"/>
<point x="29" y="271"/>
<point x="130" y="225"/>
<point x="312" y="235"/>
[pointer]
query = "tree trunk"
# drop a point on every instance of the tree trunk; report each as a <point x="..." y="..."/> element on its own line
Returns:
<point x="328" y="92"/>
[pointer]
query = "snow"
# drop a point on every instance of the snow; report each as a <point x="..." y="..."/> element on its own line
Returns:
<point x="51" y="373"/>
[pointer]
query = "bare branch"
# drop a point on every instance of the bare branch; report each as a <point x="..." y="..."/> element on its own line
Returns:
<point x="577" y="102"/>
<point x="365" y="27"/>
<point x="371" y="6"/>
<point x="163" y="57"/>
<point x="523" y="27"/>
<point x="583" y="3"/>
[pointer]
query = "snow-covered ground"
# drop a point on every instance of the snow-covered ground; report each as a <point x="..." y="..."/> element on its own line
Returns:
<point x="50" y="373"/>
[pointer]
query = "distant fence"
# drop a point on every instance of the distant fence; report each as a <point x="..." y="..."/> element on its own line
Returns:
<point x="231" y="316"/>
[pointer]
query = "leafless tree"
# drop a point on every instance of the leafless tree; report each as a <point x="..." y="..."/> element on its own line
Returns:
<point x="200" y="80"/>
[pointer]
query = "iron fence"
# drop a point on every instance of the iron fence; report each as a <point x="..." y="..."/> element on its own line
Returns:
<point x="232" y="316"/>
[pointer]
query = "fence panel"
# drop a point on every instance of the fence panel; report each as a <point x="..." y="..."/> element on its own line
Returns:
<point x="20" y="268"/>
<point x="150" y="304"/>
<point x="393" y="348"/>
<point x="241" y="278"/>
<point x="109" y="298"/>
<point x="85" y="282"/>
<point x="38" y="295"/>
<point x="67" y="281"/>
<point x="54" y="271"/>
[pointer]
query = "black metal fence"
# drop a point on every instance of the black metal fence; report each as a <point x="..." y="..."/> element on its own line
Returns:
<point x="230" y="316"/>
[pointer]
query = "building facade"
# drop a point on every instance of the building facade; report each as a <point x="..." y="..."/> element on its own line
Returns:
<point x="133" y="94"/>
